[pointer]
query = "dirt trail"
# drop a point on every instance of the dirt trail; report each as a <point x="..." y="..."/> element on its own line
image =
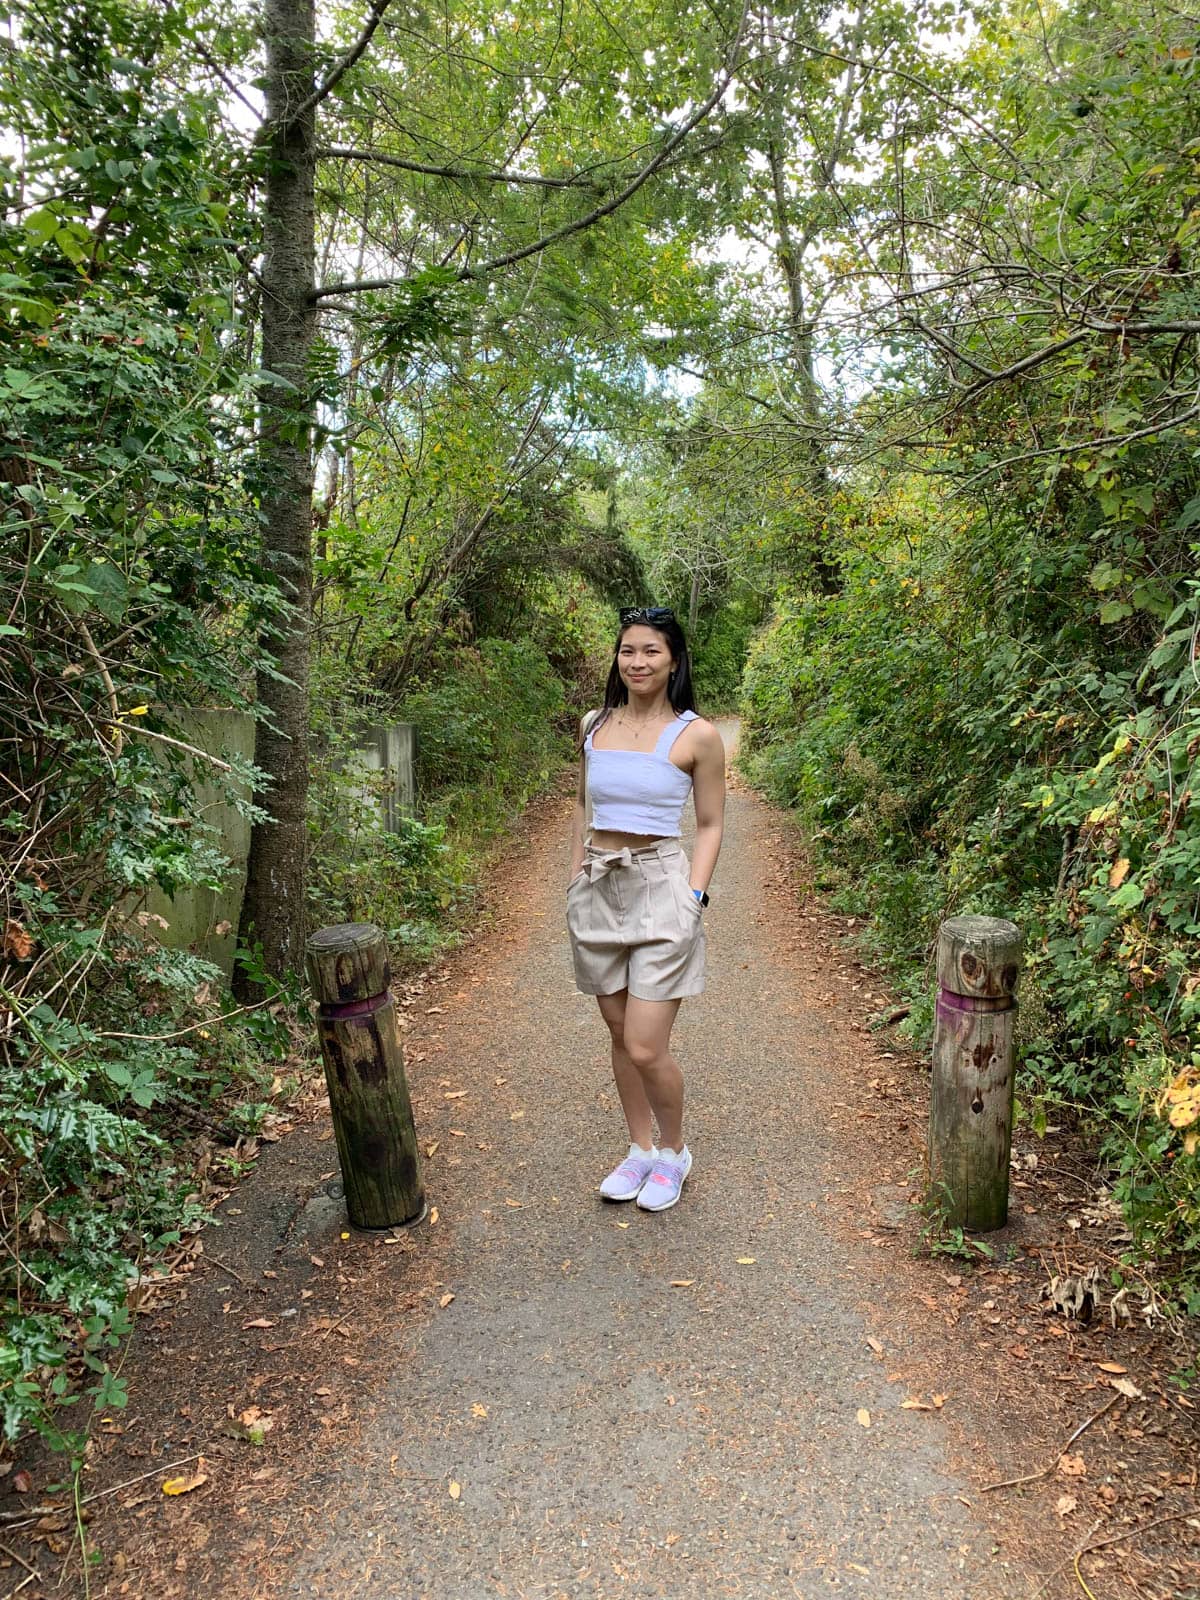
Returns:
<point x="698" y="1439"/>
<point x="540" y="1395"/>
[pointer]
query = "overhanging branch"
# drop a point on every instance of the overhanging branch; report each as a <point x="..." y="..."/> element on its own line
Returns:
<point x="338" y="152"/>
<point x="590" y="218"/>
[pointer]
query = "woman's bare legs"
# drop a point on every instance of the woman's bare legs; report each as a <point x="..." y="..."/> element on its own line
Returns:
<point x="649" y="1080"/>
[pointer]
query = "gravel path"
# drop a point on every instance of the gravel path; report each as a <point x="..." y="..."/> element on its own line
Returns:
<point x="572" y="1424"/>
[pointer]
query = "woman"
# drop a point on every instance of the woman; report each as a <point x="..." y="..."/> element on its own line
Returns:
<point x="634" y="911"/>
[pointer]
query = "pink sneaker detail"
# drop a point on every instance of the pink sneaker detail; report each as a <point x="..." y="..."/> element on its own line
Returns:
<point x="668" y="1176"/>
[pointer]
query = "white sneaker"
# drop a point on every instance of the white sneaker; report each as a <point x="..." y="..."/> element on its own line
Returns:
<point x="624" y="1182"/>
<point x="664" y="1181"/>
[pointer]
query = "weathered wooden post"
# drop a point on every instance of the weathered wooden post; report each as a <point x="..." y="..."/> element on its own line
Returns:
<point x="970" y="1117"/>
<point x="364" y="1068"/>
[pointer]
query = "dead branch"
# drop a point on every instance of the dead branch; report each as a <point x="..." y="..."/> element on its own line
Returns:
<point x="1044" y="1472"/>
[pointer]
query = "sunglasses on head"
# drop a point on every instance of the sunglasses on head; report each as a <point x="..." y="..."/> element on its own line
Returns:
<point x="650" y="614"/>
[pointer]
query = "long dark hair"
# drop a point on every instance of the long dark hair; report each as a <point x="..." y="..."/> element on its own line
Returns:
<point x="679" y="684"/>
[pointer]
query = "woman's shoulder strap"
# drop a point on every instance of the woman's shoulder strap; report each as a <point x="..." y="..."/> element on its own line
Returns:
<point x="672" y="731"/>
<point x="591" y="718"/>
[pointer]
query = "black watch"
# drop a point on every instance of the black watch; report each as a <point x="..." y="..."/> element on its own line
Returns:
<point x="702" y="897"/>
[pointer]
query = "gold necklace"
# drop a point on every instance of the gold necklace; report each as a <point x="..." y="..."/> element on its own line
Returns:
<point x="639" y="727"/>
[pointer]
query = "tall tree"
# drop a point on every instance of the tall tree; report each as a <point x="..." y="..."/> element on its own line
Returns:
<point x="547" y="196"/>
<point x="273" y="908"/>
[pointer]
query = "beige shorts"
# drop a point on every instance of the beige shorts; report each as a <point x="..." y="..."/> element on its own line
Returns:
<point x="635" y="923"/>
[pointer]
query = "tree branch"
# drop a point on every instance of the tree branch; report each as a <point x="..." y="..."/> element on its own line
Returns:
<point x="590" y="218"/>
<point x="339" y="152"/>
<point x="343" y="64"/>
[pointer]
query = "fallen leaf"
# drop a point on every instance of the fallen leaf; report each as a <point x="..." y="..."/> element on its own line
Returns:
<point x="622" y="1224"/>
<point x="456" y="1094"/>
<point x="478" y="1411"/>
<point x="499" y="1082"/>
<point x="1072" y="1466"/>
<point x="863" y="1417"/>
<point x="1125" y="1387"/>
<point x="1118" y="872"/>
<point x="516" y="1116"/>
<point x="915" y="1405"/>
<point x="186" y="1484"/>
<point x="445" y="1300"/>
<point x="431" y="1149"/>
<point x="433" y="1215"/>
<point x="746" y="1261"/>
<point x="671" y="1539"/>
<point x="517" y="1205"/>
<point x="22" y="1482"/>
<point x="455" y="1489"/>
<point x="853" y="1566"/>
<point x="938" y="1401"/>
<point x="261" y="1322"/>
<point x="17" y="942"/>
<point x="875" y="1345"/>
<point x="1065" y="1504"/>
<point x="682" y="1283"/>
<point x="1111" y="1366"/>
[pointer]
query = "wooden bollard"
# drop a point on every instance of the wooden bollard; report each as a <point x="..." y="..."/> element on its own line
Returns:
<point x="364" y="1068"/>
<point x="970" y="1117"/>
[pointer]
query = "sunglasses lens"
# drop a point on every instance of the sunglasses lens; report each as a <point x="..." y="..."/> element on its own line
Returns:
<point x="628" y="614"/>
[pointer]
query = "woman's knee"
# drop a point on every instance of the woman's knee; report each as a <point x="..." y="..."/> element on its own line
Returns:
<point x="643" y="1052"/>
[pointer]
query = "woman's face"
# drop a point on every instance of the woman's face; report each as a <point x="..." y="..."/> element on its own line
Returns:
<point x="644" y="660"/>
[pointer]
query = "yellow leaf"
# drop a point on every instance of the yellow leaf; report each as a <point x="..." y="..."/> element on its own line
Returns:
<point x="478" y="1411"/>
<point x="1190" y="1144"/>
<point x="433" y="1215"/>
<point x="515" y="1204"/>
<point x="137" y="711"/>
<point x="682" y="1283"/>
<point x="185" y="1485"/>
<point x="622" y="1224"/>
<point x="915" y="1405"/>
<point x="939" y="1400"/>
<point x="431" y="1148"/>
<point x="1118" y="872"/>
<point x="455" y="1489"/>
<point x="863" y="1417"/>
<point x="445" y="1300"/>
<point x="746" y="1261"/>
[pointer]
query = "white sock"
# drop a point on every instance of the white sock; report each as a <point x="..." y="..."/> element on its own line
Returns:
<point x="672" y="1155"/>
<point x="636" y="1150"/>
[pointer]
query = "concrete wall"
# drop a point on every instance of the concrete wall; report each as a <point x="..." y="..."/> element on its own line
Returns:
<point x="194" y="915"/>
<point x="391" y="750"/>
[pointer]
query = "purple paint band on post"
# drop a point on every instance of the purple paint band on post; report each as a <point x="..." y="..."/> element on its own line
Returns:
<point x="946" y="1001"/>
<point x="347" y="1010"/>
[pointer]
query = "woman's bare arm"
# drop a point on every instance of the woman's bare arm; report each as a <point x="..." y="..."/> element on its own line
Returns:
<point x="708" y="795"/>
<point x="579" y="814"/>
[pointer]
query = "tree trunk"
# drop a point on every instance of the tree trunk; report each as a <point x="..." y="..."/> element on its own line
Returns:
<point x="273" y="910"/>
<point x="790" y="256"/>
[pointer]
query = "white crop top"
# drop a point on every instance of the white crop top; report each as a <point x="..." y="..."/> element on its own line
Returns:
<point x="635" y="792"/>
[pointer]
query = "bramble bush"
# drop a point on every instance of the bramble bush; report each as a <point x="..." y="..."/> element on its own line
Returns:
<point x="962" y="731"/>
